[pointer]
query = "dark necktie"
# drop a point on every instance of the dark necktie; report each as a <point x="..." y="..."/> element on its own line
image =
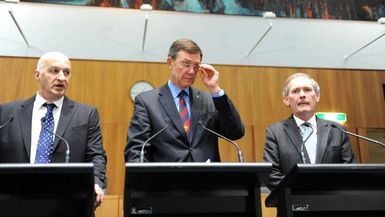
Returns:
<point x="45" y="143"/>
<point x="183" y="113"/>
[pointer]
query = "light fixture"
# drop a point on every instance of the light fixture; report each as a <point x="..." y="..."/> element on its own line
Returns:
<point x="333" y="116"/>
<point x="145" y="8"/>
<point x="381" y="20"/>
<point x="269" y="15"/>
<point x="13" y="16"/>
<point x="266" y="15"/>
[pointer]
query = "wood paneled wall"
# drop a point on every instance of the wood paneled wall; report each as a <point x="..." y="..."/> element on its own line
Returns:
<point x="256" y="91"/>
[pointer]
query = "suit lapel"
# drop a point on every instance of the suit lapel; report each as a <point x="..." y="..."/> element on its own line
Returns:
<point x="166" y="100"/>
<point x="66" y="115"/>
<point x="322" y="138"/>
<point x="25" y="117"/>
<point x="195" y="105"/>
<point x="291" y="129"/>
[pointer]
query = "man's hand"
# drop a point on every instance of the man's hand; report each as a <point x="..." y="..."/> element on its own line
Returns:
<point x="210" y="77"/>
<point x="99" y="195"/>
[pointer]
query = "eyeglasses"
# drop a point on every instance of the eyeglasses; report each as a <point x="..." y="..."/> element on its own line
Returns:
<point x="187" y="65"/>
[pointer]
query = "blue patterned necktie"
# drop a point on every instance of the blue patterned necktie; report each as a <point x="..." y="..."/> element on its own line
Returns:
<point x="310" y="147"/>
<point x="45" y="143"/>
<point x="305" y="130"/>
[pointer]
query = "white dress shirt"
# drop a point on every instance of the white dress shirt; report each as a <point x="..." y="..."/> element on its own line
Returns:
<point x="38" y="112"/>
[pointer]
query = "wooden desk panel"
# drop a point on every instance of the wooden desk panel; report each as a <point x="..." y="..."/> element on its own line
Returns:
<point x="112" y="206"/>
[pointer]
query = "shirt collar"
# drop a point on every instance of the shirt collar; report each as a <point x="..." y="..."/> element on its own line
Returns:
<point x="312" y="121"/>
<point x="175" y="90"/>
<point x="39" y="101"/>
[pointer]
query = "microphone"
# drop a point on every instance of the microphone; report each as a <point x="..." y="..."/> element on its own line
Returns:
<point x="240" y="154"/>
<point x="359" y="136"/>
<point x="9" y="120"/>
<point x="149" y="139"/>
<point x="304" y="141"/>
<point x="67" y="155"/>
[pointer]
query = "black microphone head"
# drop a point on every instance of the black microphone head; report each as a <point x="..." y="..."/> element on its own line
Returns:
<point x="42" y="119"/>
<point x="339" y="128"/>
<point x="336" y="126"/>
<point x="9" y="120"/>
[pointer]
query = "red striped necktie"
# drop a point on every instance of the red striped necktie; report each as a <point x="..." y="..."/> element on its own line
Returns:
<point x="183" y="112"/>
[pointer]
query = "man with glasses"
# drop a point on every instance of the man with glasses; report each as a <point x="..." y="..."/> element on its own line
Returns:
<point x="171" y="118"/>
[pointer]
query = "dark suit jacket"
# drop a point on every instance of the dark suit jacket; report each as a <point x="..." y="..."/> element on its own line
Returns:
<point x="78" y="124"/>
<point x="155" y="109"/>
<point x="283" y="147"/>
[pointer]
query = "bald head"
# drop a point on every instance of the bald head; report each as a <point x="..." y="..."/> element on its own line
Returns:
<point x="50" y="56"/>
<point x="53" y="72"/>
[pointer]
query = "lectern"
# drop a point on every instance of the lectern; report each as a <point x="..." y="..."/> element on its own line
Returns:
<point x="46" y="190"/>
<point x="331" y="190"/>
<point x="194" y="189"/>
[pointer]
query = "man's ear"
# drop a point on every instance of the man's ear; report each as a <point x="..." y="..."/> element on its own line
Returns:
<point x="170" y="62"/>
<point x="285" y="100"/>
<point x="37" y="74"/>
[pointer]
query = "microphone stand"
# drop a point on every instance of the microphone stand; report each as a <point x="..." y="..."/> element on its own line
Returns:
<point x="149" y="139"/>
<point x="240" y="154"/>
<point x="67" y="153"/>
<point x="9" y="120"/>
<point x="359" y="136"/>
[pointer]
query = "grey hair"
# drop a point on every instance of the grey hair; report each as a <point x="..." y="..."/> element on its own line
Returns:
<point x="184" y="44"/>
<point x="48" y="55"/>
<point x="314" y="83"/>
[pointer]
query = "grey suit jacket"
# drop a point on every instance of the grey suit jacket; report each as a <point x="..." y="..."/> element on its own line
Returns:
<point x="156" y="109"/>
<point x="78" y="124"/>
<point x="283" y="147"/>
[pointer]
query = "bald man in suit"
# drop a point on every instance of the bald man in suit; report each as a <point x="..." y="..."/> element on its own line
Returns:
<point x="181" y="117"/>
<point x="303" y="138"/>
<point x="20" y="140"/>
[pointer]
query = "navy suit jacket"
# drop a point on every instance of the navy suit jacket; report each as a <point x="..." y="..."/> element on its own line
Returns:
<point x="283" y="147"/>
<point x="78" y="124"/>
<point x="155" y="109"/>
